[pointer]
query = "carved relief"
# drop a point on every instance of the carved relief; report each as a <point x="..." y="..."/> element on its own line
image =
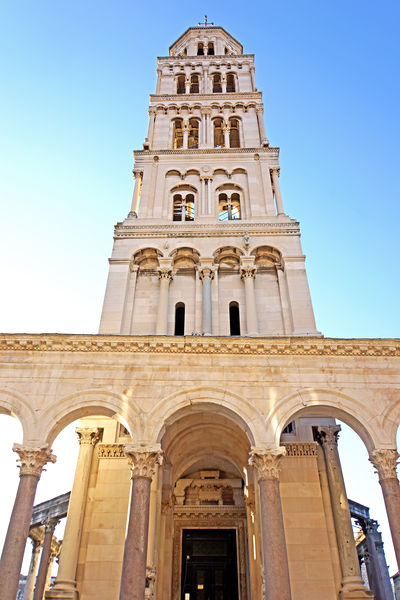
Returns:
<point x="32" y="460"/>
<point x="385" y="462"/>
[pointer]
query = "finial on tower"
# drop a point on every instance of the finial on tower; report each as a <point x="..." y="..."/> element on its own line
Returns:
<point x="205" y="22"/>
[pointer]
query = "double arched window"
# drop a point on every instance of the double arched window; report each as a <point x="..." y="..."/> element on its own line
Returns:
<point x="183" y="208"/>
<point x="194" y="84"/>
<point x="230" y="82"/>
<point x="180" y="84"/>
<point x="229" y="206"/>
<point x="217" y="83"/>
<point x="193" y="138"/>
<point x="178" y="134"/>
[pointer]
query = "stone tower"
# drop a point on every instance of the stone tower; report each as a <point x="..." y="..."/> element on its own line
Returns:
<point x="207" y="248"/>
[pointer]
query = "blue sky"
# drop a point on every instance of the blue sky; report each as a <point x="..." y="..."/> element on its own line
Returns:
<point x="75" y="83"/>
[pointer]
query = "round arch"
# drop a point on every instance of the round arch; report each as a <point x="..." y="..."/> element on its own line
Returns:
<point x="85" y="403"/>
<point x="327" y="403"/>
<point x="233" y="406"/>
<point x="17" y="406"/>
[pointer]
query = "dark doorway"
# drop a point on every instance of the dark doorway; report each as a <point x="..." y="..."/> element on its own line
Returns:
<point x="209" y="565"/>
<point x="234" y="319"/>
<point x="180" y="319"/>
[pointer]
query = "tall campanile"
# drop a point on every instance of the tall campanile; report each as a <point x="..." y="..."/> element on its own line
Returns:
<point x="206" y="248"/>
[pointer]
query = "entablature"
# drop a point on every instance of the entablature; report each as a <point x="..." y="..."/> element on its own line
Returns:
<point x="204" y="151"/>
<point x="204" y="97"/>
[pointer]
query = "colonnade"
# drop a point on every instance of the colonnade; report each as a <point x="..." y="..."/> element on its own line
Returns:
<point x="143" y="462"/>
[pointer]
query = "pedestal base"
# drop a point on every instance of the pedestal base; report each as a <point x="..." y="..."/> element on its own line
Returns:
<point x="353" y="589"/>
<point x="63" y="591"/>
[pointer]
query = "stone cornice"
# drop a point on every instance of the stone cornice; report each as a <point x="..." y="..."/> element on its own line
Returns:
<point x="206" y="151"/>
<point x="263" y="346"/>
<point x="196" y="98"/>
<point x="225" y="57"/>
<point x="172" y="230"/>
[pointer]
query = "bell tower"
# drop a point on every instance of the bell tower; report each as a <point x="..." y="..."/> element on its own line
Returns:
<point x="207" y="248"/>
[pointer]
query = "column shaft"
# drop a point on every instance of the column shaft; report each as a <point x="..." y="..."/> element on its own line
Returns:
<point x="261" y="126"/>
<point x="44" y="560"/>
<point x="277" y="191"/>
<point x="247" y="273"/>
<point x="276" y="568"/>
<point x="380" y="575"/>
<point x="65" y="585"/>
<point x="285" y="303"/>
<point x="351" y="575"/>
<point x="30" y="581"/>
<point x="32" y="462"/>
<point x="165" y="275"/>
<point x="385" y="462"/>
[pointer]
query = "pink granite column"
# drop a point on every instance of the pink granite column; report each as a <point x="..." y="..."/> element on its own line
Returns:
<point x="144" y="460"/>
<point x="32" y="461"/>
<point x="385" y="462"/>
<point x="352" y="584"/>
<point x="276" y="568"/>
<point x="49" y="527"/>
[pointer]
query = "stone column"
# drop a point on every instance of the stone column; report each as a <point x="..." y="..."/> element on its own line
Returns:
<point x="285" y="302"/>
<point x="352" y="583"/>
<point x="226" y="127"/>
<point x="32" y="461"/>
<point x="65" y="584"/>
<point x="152" y="120"/>
<point x="49" y="527"/>
<point x="248" y="274"/>
<point x="276" y="568"/>
<point x="277" y="191"/>
<point x="144" y="460"/>
<point x="252" y="77"/>
<point x="165" y="276"/>
<point x="223" y="83"/>
<point x="137" y="174"/>
<point x="30" y="580"/>
<point x="377" y="561"/>
<point x="206" y="274"/>
<point x="261" y="126"/>
<point x="385" y="462"/>
<point x="187" y="85"/>
<point x="185" y="130"/>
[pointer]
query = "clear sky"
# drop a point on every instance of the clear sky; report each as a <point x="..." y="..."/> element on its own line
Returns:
<point x="75" y="83"/>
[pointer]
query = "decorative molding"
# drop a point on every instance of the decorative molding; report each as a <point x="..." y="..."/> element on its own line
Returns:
<point x="200" y="151"/>
<point x="111" y="451"/>
<point x="385" y="463"/>
<point x="301" y="450"/>
<point x="267" y="461"/>
<point x="263" y="346"/>
<point x="199" y="511"/>
<point x="143" y="459"/>
<point x="32" y="460"/>
<point x="223" y="96"/>
<point x="226" y="57"/>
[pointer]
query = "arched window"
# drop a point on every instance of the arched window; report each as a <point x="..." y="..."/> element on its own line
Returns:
<point x="230" y="83"/>
<point x="229" y="206"/>
<point x="217" y="84"/>
<point x="194" y="84"/>
<point x="219" y="139"/>
<point x="234" y="137"/>
<point x="193" y="140"/>
<point x="179" y="319"/>
<point x="210" y="51"/>
<point x="178" y="134"/>
<point x="234" y="318"/>
<point x="180" y="84"/>
<point x="200" y="49"/>
<point x="183" y="209"/>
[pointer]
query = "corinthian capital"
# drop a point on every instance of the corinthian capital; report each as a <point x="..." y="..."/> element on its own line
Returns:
<point x="267" y="461"/>
<point x="165" y="273"/>
<point x="328" y="434"/>
<point x="246" y="272"/>
<point x="206" y="273"/>
<point x="32" y="460"/>
<point x="144" y="459"/>
<point x="88" y="435"/>
<point x="385" y="463"/>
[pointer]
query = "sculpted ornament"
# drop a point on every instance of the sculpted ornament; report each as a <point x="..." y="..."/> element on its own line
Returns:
<point x="88" y="435"/>
<point x="267" y="462"/>
<point x="329" y="434"/>
<point x="247" y="272"/>
<point x="32" y="460"/>
<point x="144" y="459"/>
<point x="385" y="463"/>
<point x="165" y="273"/>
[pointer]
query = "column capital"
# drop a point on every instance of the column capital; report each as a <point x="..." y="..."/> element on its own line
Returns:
<point x="137" y="173"/>
<point x="371" y="526"/>
<point x="165" y="273"/>
<point x="32" y="460"/>
<point x="50" y="524"/>
<point x="206" y="272"/>
<point x="260" y="108"/>
<point x="144" y="459"/>
<point x="88" y="435"/>
<point x="248" y="272"/>
<point x="267" y="461"/>
<point x="385" y="462"/>
<point x="275" y="171"/>
<point x="328" y="434"/>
